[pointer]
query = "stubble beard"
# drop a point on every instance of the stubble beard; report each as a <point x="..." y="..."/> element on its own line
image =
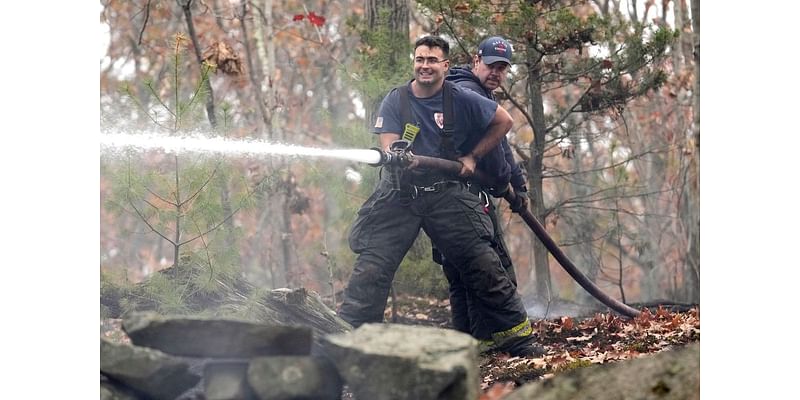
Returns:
<point x="491" y="84"/>
<point x="430" y="80"/>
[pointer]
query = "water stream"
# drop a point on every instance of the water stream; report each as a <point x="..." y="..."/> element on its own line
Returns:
<point x="114" y="142"/>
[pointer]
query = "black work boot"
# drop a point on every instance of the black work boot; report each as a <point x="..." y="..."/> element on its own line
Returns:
<point x="521" y="347"/>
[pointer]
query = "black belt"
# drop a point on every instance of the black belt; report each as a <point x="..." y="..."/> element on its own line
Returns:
<point x="415" y="190"/>
<point x="426" y="179"/>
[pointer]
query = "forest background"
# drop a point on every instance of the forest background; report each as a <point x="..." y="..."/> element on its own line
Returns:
<point x="64" y="190"/>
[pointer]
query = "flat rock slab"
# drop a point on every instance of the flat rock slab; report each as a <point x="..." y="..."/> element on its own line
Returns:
<point x="215" y="337"/>
<point x="390" y="361"/>
<point x="149" y="371"/>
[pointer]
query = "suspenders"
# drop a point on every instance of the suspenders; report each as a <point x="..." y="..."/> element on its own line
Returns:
<point x="410" y="130"/>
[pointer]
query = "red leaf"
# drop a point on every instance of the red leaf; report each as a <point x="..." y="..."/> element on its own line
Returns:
<point x="497" y="391"/>
<point x="567" y="323"/>
<point x="298" y="17"/>
<point x="315" y="19"/>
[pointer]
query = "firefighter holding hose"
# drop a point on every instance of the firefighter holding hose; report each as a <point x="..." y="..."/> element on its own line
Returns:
<point x="448" y="207"/>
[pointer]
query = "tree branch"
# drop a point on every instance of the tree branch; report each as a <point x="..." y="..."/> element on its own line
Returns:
<point x="631" y="213"/>
<point x="629" y="159"/>
<point x="213" y="228"/>
<point x="144" y="24"/>
<point x="144" y="219"/>
<point x="160" y="198"/>
<point x="200" y="189"/>
<point x="155" y="94"/>
<point x="241" y="204"/>
<point x="567" y="114"/>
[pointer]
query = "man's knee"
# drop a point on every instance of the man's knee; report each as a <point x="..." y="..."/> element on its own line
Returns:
<point x="482" y="268"/>
<point x="365" y="294"/>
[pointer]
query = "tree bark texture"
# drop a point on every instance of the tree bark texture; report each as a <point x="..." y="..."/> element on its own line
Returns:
<point x="187" y="12"/>
<point x="535" y="169"/>
<point x="265" y="49"/>
<point x="396" y="22"/>
<point x="692" y="270"/>
<point x="252" y="72"/>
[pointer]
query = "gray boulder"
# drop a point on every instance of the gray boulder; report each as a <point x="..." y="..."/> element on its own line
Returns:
<point x="227" y="381"/>
<point x="110" y="390"/>
<point x="149" y="371"/>
<point x="390" y="361"/>
<point x="288" y="377"/>
<point x="217" y="337"/>
<point x="672" y="374"/>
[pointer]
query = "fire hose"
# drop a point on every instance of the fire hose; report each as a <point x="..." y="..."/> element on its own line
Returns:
<point x="398" y="157"/>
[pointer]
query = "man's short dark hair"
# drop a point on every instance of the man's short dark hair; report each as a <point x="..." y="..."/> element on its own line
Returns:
<point x="433" y="41"/>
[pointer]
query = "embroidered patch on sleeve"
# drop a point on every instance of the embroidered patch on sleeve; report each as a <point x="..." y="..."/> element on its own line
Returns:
<point x="379" y="122"/>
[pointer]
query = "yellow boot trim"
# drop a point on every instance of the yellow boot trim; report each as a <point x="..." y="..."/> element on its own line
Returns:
<point x="521" y="330"/>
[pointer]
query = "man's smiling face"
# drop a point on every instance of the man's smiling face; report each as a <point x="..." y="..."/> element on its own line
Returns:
<point x="430" y="66"/>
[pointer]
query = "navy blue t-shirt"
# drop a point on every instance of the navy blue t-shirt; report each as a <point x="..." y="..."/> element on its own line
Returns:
<point x="472" y="113"/>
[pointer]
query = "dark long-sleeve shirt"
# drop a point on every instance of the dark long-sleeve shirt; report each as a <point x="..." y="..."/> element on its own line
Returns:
<point x="499" y="163"/>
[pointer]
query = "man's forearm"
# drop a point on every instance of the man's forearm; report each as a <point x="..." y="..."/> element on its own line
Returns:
<point x="387" y="139"/>
<point x="497" y="129"/>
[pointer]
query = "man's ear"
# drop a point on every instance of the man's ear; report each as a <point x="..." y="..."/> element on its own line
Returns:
<point x="475" y="60"/>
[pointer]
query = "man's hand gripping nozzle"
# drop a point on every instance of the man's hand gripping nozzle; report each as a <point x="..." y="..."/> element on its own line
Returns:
<point x="398" y="158"/>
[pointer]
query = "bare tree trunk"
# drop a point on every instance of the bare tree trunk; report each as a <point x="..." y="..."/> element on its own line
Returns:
<point x="696" y="89"/>
<point x="283" y="229"/>
<point x="287" y="232"/>
<point x="186" y="5"/>
<point x="693" y="203"/>
<point x="265" y="49"/>
<point x="277" y="204"/>
<point x="397" y="23"/>
<point x="535" y="172"/>
<point x="677" y="50"/>
<point x="686" y="37"/>
<point x="255" y="77"/>
<point x="620" y="265"/>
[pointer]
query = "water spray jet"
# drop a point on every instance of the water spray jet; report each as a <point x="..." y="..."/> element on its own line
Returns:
<point x="200" y="144"/>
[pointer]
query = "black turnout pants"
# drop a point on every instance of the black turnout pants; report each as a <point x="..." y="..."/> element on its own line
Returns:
<point x="454" y="219"/>
<point x="465" y="315"/>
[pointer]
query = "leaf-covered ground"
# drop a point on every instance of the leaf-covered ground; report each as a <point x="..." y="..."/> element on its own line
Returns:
<point x="570" y="343"/>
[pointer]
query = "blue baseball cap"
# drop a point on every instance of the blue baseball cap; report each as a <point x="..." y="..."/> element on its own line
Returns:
<point x="495" y="49"/>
